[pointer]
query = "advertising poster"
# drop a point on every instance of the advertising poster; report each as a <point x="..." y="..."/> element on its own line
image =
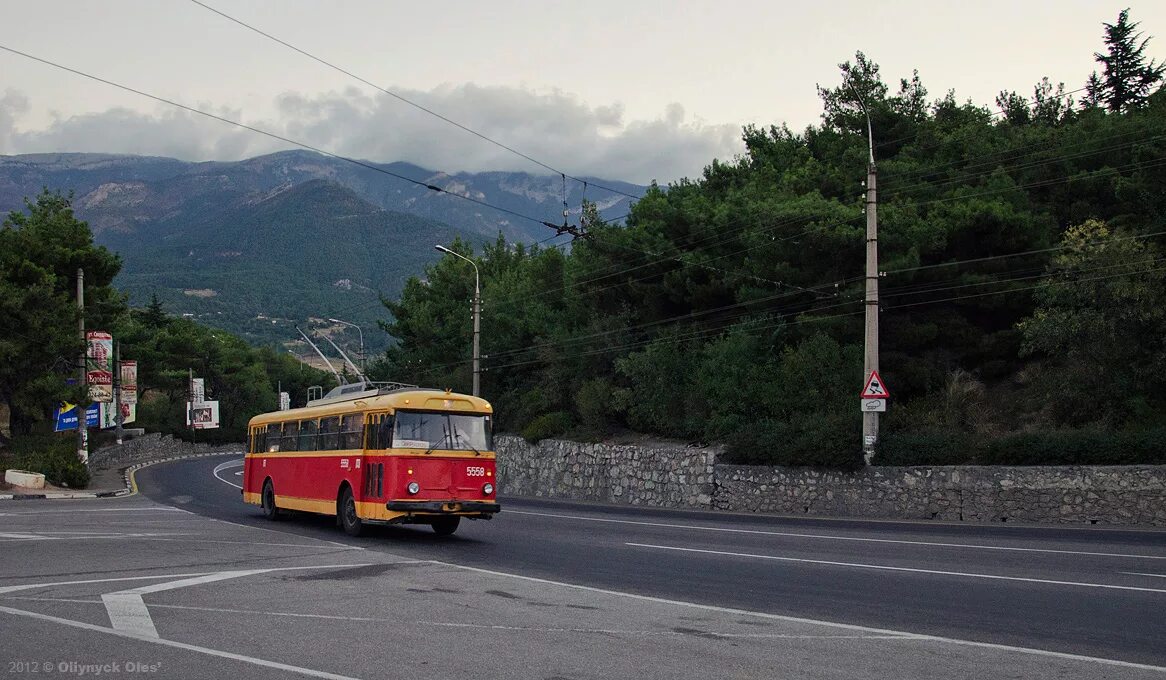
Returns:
<point x="129" y="382"/>
<point x="99" y="365"/>
<point x="129" y="412"/>
<point x="203" y="416"/>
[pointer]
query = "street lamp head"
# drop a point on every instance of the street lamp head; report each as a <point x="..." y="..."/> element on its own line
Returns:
<point x="444" y="249"/>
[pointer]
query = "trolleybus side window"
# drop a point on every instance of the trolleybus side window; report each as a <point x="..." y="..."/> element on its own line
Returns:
<point x="255" y="443"/>
<point x="385" y="432"/>
<point x="290" y="439"/>
<point x="351" y="431"/>
<point x="274" y="432"/>
<point x="307" y="435"/>
<point x="329" y="433"/>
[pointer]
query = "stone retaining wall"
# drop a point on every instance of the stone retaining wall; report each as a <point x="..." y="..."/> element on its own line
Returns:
<point x="152" y="446"/>
<point x="685" y="477"/>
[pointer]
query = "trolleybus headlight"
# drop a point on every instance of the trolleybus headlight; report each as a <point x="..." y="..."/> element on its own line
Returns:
<point x="413" y="487"/>
<point x="487" y="488"/>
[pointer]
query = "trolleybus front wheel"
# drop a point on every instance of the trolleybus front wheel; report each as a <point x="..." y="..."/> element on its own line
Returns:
<point x="445" y="526"/>
<point x="348" y="517"/>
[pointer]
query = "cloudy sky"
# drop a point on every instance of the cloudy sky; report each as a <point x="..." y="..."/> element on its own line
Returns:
<point x="621" y="89"/>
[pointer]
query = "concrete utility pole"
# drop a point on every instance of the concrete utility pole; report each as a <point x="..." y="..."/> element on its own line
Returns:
<point x="477" y="313"/>
<point x="82" y="430"/>
<point x="870" y="419"/>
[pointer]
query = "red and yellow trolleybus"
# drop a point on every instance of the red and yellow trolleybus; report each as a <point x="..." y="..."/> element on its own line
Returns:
<point x="367" y="454"/>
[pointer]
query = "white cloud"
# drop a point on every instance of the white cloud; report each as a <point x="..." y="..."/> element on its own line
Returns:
<point x="553" y="127"/>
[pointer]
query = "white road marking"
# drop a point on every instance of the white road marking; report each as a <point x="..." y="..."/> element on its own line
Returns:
<point x="881" y="567"/>
<point x="179" y="645"/>
<point x="284" y="533"/>
<point x="159" y="508"/>
<point x="226" y="466"/>
<point x="818" y="622"/>
<point x="1135" y="573"/>
<point x="127" y="611"/>
<point x="276" y="545"/>
<point x="452" y="624"/>
<point x="6" y="538"/>
<point x="30" y="586"/>
<point x="829" y="537"/>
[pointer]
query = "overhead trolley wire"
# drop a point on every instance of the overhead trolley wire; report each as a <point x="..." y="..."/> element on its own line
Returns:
<point x="279" y="137"/>
<point x="410" y="102"/>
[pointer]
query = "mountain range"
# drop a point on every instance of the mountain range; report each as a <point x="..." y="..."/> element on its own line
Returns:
<point x="253" y="246"/>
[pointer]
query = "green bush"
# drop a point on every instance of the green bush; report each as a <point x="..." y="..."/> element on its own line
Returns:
<point x="1050" y="447"/>
<point x="1076" y="447"/>
<point x="830" y="441"/>
<point x="54" y="456"/>
<point x="548" y="425"/>
<point x="926" y="447"/>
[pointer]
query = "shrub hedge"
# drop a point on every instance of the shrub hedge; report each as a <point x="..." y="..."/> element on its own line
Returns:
<point x="1054" y="447"/>
<point x="548" y="425"/>
<point x="831" y="441"/>
<point x="54" y="456"/>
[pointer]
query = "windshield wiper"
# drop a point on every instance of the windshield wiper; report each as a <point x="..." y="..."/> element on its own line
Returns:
<point x="458" y="439"/>
<point x="445" y="438"/>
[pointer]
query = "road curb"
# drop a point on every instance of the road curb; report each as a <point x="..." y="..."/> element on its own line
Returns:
<point x="130" y="488"/>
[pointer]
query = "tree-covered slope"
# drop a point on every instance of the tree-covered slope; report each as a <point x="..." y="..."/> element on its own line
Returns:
<point x="1021" y="286"/>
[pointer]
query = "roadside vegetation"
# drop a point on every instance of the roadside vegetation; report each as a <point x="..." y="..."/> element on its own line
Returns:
<point x="1023" y="295"/>
<point x="41" y="249"/>
<point x="1023" y="301"/>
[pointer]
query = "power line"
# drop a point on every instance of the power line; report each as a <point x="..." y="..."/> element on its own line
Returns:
<point x="1026" y="288"/>
<point x="1025" y="166"/>
<point x="410" y="102"/>
<point x="281" y="138"/>
<point x="989" y="258"/>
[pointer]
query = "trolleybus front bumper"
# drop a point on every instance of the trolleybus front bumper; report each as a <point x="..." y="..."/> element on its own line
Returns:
<point x="445" y="507"/>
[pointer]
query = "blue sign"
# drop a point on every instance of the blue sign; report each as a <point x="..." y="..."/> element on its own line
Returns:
<point x="67" y="418"/>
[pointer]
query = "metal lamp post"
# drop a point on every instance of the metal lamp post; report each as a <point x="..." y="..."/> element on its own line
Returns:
<point x="358" y="330"/>
<point x="477" y="310"/>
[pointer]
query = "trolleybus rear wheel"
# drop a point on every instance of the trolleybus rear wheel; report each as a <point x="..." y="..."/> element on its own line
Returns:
<point x="445" y="526"/>
<point x="270" y="511"/>
<point x="348" y="517"/>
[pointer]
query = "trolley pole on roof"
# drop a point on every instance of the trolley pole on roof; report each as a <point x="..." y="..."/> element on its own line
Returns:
<point x="870" y="419"/>
<point x="477" y="313"/>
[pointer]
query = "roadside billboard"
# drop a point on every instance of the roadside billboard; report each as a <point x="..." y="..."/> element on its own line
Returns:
<point x="99" y="365"/>
<point x="66" y="417"/>
<point x="129" y="413"/>
<point x="202" y="416"/>
<point x="129" y="382"/>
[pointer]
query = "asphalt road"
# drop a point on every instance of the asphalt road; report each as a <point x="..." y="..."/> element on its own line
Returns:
<point x="556" y="590"/>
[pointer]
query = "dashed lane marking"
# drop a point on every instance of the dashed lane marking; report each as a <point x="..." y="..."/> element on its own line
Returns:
<point x="830" y="537"/>
<point x="829" y="624"/>
<point x="37" y="536"/>
<point x="159" y="508"/>
<point x="882" y="567"/>
<point x="485" y="626"/>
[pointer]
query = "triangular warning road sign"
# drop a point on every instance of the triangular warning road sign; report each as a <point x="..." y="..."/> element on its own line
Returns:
<point x="875" y="388"/>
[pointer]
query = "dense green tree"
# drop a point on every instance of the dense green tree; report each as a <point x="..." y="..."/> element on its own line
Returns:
<point x="41" y="249"/>
<point x="729" y="307"/>
<point x="1128" y="78"/>
<point x="1100" y="319"/>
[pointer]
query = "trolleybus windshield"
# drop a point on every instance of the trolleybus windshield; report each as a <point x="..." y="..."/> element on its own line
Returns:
<point x="450" y="431"/>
